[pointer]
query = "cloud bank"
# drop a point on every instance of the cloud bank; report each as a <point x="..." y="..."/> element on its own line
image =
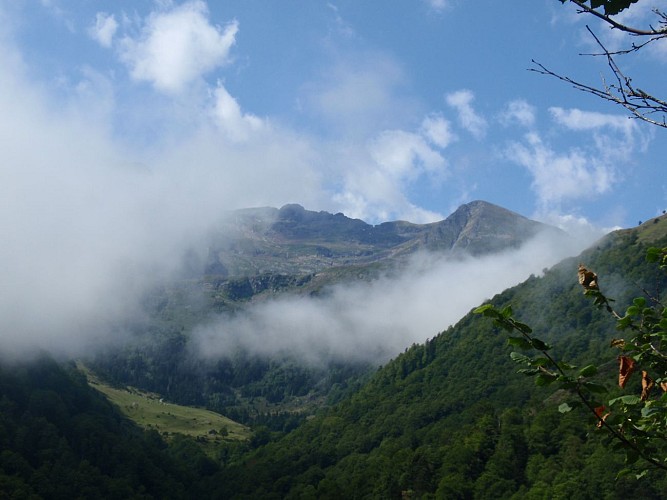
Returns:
<point x="375" y="321"/>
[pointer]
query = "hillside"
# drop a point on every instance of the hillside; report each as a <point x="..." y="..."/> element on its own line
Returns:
<point x="151" y="412"/>
<point x="452" y="418"/>
<point x="59" y="438"/>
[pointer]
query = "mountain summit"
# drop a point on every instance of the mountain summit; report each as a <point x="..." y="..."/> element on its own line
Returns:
<point x="293" y="240"/>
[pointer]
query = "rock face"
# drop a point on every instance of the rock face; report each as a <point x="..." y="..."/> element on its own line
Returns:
<point x="293" y="240"/>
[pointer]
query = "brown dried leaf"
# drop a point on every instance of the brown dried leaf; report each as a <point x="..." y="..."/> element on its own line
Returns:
<point x="647" y="385"/>
<point x="599" y="412"/>
<point x="625" y="369"/>
<point x="620" y="343"/>
<point x="663" y="386"/>
<point x="587" y="279"/>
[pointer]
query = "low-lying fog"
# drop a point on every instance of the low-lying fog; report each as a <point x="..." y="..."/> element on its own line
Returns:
<point x="376" y="320"/>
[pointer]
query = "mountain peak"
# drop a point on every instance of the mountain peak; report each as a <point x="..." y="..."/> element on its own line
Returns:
<point x="295" y="240"/>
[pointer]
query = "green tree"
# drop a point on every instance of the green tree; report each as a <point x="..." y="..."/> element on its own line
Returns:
<point x="636" y="419"/>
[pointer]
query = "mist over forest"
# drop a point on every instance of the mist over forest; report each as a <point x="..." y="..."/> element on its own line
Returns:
<point x="373" y="321"/>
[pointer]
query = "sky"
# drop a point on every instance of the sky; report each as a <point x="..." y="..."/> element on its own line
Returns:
<point x="129" y="127"/>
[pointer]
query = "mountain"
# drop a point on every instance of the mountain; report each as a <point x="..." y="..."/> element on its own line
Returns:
<point x="260" y="252"/>
<point x="452" y="418"/>
<point x="257" y="254"/>
<point x="293" y="240"/>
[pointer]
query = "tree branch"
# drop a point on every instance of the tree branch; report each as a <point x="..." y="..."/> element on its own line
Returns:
<point x="638" y="102"/>
<point x="622" y="27"/>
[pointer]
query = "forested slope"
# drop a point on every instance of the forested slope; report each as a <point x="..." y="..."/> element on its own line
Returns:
<point x="59" y="438"/>
<point x="452" y="418"/>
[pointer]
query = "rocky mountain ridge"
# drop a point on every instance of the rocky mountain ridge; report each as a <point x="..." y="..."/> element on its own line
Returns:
<point x="293" y="240"/>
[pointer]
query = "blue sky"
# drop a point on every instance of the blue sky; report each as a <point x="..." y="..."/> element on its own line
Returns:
<point x="381" y="110"/>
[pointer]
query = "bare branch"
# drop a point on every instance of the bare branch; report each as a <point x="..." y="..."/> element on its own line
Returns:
<point x="634" y="48"/>
<point x="640" y="104"/>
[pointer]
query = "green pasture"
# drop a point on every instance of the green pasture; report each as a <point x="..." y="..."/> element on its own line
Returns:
<point x="150" y="411"/>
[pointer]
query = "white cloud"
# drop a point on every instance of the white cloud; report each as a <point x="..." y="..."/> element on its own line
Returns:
<point x="375" y="321"/>
<point x="580" y="228"/>
<point x="375" y="183"/>
<point x="614" y="137"/>
<point x="563" y="176"/>
<point x="104" y="29"/>
<point x="437" y="5"/>
<point x="437" y="130"/>
<point x="461" y="101"/>
<point x="342" y="27"/>
<point x="88" y="222"/>
<point x="583" y="172"/>
<point x="576" y="119"/>
<point x="404" y="155"/>
<point x="235" y="124"/>
<point x="518" y="112"/>
<point x="177" y="47"/>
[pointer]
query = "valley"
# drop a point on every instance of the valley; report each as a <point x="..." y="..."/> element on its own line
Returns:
<point x="446" y="418"/>
<point x="260" y="256"/>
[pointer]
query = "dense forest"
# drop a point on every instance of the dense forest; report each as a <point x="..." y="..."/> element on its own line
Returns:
<point x="450" y="418"/>
<point x="59" y="438"/>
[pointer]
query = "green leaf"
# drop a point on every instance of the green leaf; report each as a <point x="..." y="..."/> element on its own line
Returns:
<point x="502" y="323"/>
<point x="506" y="312"/>
<point x="539" y="345"/>
<point x="542" y="361"/>
<point x="612" y="7"/>
<point x="624" y="322"/>
<point x="544" y="379"/>
<point x="564" y="408"/>
<point x="568" y="384"/>
<point x="628" y="400"/>
<point x="640" y="302"/>
<point x="485" y="309"/>
<point x="517" y="357"/>
<point x="519" y="342"/>
<point x="623" y="472"/>
<point x="522" y="327"/>
<point x="529" y="371"/>
<point x="588" y="371"/>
